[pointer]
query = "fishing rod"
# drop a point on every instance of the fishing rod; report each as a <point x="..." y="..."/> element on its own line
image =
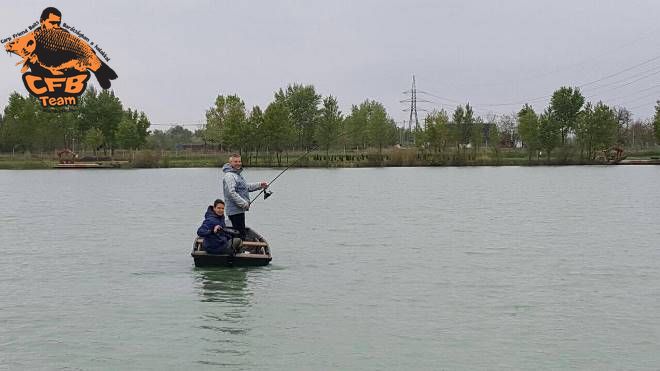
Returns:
<point x="268" y="193"/>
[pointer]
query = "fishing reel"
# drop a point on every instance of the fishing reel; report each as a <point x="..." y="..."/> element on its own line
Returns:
<point x="267" y="193"/>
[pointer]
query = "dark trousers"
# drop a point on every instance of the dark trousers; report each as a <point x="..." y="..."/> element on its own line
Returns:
<point x="238" y="223"/>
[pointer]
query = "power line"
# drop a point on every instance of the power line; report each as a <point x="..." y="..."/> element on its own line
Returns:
<point x="619" y="72"/>
<point x="640" y="98"/>
<point x="627" y="79"/>
<point x="643" y="105"/>
<point x="610" y="48"/>
<point x="626" y="82"/>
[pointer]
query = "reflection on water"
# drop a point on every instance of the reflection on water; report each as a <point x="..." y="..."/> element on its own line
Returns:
<point x="224" y="322"/>
<point x="225" y="285"/>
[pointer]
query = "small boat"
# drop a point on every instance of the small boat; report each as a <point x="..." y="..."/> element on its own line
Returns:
<point x="254" y="252"/>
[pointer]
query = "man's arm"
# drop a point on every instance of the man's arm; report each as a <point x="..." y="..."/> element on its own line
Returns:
<point x="257" y="186"/>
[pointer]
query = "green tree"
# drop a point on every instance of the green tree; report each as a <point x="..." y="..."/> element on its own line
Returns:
<point x="565" y="106"/>
<point x="50" y="130"/>
<point x="656" y="122"/>
<point x="477" y="135"/>
<point x="583" y="130"/>
<point x="215" y="121"/>
<point x="254" y="124"/>
<point x="463" y="122"/>
<point x="69" y="122"/>
<point x="132" y="130"/>
<point x="381" y="128"/>
<point x="355" y="126"/>
<point x="329" y="123"/>
<point x="277" y="130"/>
<point x="419" y="135"/>
<point x="369" y="125"/>
<point x="142" y="125"/>
<point x="436" y="130"/>
<point x="93" y="139"/>
<point x="103" y="111"/>
<point x="157" y="139"/>
<point x="127" y="133"/>
<point x="303" y="105"/>
<point x="30" y="127"/>
<point x="597" y="128"/>
<point x="179" y="135"/>
<point x="549" y="132"/>
<point x="494" y="139"/>
<point x="235" y="132"/>
<point x="18" y="129"/>
<point x="528" y="129"/>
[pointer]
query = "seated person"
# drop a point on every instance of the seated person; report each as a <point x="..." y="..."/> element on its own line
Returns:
<point x="216" y="239"/>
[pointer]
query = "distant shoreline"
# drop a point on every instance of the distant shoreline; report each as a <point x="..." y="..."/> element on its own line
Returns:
<point x="317" y="160"/>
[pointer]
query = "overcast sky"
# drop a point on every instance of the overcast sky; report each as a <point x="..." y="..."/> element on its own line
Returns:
<point x="174" y="57"/>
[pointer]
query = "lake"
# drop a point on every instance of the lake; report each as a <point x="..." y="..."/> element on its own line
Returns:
<point x="474" y="268"/>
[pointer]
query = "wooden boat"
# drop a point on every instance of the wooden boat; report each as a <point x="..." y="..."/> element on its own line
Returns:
<point x="254" y="252"/>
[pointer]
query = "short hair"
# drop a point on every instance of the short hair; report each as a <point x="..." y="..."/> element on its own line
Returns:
<point x="218" y="201"/>
<point x="234" y="155"/>
<point x="48" y="11"/>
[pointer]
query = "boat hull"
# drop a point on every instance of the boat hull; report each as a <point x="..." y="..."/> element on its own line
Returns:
<point x="202" y="259"/>
<point x="254" y="252"/>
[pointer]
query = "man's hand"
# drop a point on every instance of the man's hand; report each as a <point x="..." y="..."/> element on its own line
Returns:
<point x="217" y="229"/>
<point x="264" y="185"/>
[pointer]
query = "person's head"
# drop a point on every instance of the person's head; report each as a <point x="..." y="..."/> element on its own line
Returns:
<point x="235" y="161"/>
<point x="50" y="18"/>
<point x="219" y="207"/>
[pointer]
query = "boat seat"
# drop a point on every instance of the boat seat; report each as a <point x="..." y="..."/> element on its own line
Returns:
<point x="254" y="244"/>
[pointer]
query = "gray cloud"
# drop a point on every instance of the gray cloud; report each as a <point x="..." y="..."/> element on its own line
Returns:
<point x="173" y="58"/>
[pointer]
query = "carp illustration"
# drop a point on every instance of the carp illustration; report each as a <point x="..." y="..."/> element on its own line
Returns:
<point x="57" y="51"/>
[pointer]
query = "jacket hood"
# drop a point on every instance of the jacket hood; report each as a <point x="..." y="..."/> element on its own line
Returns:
<point x="211" y="214"/>
<point x="226" y="168"/>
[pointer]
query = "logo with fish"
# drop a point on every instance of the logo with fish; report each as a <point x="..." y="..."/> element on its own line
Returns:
<point x="56" y="63"/>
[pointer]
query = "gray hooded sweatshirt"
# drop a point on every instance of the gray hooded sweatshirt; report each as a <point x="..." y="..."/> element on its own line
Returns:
<point x="236" y="190"/>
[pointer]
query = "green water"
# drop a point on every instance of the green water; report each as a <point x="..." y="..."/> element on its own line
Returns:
<point x="445" y="268"/>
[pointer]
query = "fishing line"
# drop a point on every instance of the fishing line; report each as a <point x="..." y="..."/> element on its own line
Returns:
<point x="268" y="193"/>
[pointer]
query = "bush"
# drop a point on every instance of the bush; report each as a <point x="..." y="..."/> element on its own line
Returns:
<point x="403" y="157"/>
<point x="146" y="159"/>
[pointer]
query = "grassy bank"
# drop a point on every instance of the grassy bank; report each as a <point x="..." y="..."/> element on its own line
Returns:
<point x="25" y="164"/>
<point x="320" y="159"/>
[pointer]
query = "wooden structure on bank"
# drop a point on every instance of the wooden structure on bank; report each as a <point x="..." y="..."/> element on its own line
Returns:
<point x="69" y="160"/>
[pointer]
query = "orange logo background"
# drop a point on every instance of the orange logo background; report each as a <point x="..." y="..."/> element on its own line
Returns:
<point x="59" y="62"/>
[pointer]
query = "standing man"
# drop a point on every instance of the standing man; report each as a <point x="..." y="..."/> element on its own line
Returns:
<point x="237" y="192"/>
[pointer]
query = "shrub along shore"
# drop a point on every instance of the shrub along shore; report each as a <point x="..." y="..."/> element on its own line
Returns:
<point x="316" y="159"/>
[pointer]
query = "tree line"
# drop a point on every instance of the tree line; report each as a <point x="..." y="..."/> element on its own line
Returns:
<point x="99" y="122"/>
<point x="569" y="124"/>
<point x="297" y="119"/>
